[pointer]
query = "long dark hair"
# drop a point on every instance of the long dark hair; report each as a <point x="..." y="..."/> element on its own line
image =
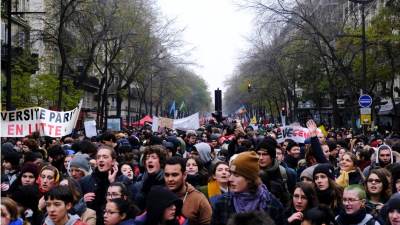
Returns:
<point x="125" y="207"/>
<point x="386" y="190"/>
<point x="310" y="193"/>
<point x="334" y="193"/>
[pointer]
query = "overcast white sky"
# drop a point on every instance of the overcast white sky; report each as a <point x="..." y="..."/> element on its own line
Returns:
<point x="217" y="30"/>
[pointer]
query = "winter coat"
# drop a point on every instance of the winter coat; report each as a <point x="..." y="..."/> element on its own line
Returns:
<point x="196" y="207"/>
<point x="143" y="186"/>
<point x="98" y="183"/>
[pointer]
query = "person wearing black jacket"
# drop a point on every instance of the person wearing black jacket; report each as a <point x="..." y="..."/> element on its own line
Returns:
<point x="94" y="187"/>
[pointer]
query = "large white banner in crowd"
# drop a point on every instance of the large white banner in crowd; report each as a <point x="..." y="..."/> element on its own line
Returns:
<point x="23" y="122"/>
<point x="191" y="122"/>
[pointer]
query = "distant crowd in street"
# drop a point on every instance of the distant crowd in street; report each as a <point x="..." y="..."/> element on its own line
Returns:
<point x="222" y="173"/>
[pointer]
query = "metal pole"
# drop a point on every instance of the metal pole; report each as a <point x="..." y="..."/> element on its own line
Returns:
<point x="364" y="49"/>
<point x="8" y="68"/>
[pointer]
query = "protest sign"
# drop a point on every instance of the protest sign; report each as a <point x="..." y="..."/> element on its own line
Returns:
<point x="23" y="122"/>
<point x="114" y="124"/>
<point x="296" y="133"/>
<point x="188" y="123"/>
<point x="90" y="128"/>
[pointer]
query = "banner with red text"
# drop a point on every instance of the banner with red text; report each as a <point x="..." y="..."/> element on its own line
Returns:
<point x="296" y="133"/>
<point x="23" y="122"/>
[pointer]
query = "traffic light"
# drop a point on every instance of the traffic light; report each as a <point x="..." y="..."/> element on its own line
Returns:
<point x="249" y="86"/>
<point x="283" y="111"/>
<point x="218" y="100"/>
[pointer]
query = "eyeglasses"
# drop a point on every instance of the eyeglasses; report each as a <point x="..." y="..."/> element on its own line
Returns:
<point x="350" y="200"/>
<point x="113" y="195"/>
<point x="370" y="180"/>
<point x="110" y="212"/>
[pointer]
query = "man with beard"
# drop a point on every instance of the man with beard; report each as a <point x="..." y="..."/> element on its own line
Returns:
<point x="196" y="207"/>
<point x="383" y="158"/>
<point x="94" y="186"/>
<point x="154" y="160"/>
<point x="278" y="179"/>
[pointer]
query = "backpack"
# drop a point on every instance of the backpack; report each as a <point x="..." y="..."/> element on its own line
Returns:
<point x="284" y="176"/>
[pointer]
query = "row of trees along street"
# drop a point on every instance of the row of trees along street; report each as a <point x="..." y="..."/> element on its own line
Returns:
<point x="126" y="47"/>
<point x="315" y="47"/>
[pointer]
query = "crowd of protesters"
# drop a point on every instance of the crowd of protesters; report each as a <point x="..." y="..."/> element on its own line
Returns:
<point x="218" y="174"/>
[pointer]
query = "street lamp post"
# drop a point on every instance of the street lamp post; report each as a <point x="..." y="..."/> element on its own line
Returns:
<point x="363" y="43"/>
<point x="10" y="13"/>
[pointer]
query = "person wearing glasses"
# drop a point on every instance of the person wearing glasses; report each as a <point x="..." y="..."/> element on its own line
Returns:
<point x="119" y="212"/>
<point x="304" y="198"/>
<point x="354" y="211"/>
<point x="117" y="190"/>
<point x="377" y="187"/>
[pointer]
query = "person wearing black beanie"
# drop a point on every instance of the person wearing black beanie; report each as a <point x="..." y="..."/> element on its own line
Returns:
<point x="273" y="175"/>
<point x="393" y="209"/>
<point x="328" y="192"/>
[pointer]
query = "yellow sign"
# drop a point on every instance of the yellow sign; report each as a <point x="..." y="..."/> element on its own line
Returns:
<point x="366" y="119"/>
<point x="253" y="120"/>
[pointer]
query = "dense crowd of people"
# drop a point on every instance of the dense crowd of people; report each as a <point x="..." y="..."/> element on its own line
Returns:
<point x="221" y="173"/>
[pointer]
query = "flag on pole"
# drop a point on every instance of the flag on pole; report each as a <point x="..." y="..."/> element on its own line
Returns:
<point x="241" y="110"/>
<point x="182" y="106"/>
<point x="172" y="109"/>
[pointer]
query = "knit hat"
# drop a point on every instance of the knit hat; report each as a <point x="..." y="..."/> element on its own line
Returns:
<point x="81" y="161"/>
<point x="30" y="168"/>
<point x="269" y="145"/>
<point x="326" y="169"/>
<point x="308" y="172"/>
<point x="393" y="204"/>
<point x="246" y="165"/>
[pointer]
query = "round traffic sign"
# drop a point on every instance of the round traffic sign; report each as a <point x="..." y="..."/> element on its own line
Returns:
<point x="365" y="101"/>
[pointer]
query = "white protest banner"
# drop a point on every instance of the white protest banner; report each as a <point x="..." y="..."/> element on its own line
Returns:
<point x="191" y="122"/>
<point x="188" y="123"/>
<point x="23" y="122"/>
<point x="90" y="128"/>
<point x="296" y="133"/>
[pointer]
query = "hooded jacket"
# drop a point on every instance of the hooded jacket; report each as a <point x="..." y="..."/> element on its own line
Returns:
<point x="204" y="151"/>
<point x="72" y="220"/>
<point x="375" y="158"/>
<point x="158" y="200"/>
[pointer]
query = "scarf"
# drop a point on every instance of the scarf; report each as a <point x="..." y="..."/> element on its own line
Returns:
<point x="324" y="196"/>
<point x="343" y="179"/>
<point x="246" y="201"/>
<point x="213" y="188"/>
<point x="355" y="218"/>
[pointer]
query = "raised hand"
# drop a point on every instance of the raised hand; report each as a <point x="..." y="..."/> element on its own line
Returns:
<point x="312" y="127"/>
